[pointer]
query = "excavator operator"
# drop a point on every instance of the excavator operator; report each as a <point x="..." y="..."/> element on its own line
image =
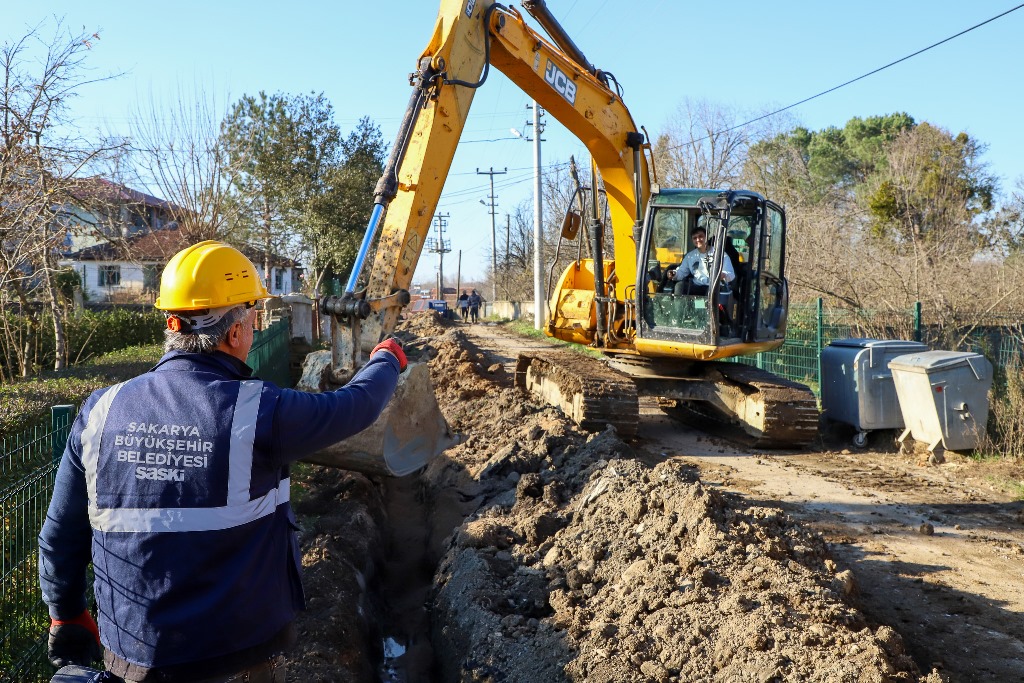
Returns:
<point x="692" y="275"/>
<point x="175" y="484"/>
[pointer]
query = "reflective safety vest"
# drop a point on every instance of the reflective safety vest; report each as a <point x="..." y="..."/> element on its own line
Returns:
<point x="194" y="549"/>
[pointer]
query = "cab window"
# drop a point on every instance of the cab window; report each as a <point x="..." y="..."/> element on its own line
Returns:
<point x="773" y="243"/>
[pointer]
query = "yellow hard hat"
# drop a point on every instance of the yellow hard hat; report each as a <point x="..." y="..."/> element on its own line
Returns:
<point x="209" y="274"/>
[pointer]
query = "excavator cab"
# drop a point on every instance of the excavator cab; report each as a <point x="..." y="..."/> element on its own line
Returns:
<point x="746" y="296"/>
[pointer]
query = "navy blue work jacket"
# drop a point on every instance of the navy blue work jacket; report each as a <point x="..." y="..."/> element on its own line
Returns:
<point x="178" y="480"/>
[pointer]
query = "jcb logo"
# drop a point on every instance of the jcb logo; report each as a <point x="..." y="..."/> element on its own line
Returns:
<point x="562" y="84"/>
<point x="469" y="8"/>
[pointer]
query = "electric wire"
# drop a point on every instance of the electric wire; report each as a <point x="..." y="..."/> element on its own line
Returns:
<point x="849" y="82"/>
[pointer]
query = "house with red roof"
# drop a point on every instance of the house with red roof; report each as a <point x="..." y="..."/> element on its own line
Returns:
<point x="120" y="239"/>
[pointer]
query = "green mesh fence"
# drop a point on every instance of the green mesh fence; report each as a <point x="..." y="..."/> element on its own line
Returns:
<point x="269" y="354"/>
<point x="24" y="499"/>
<point x="812" y="327"/>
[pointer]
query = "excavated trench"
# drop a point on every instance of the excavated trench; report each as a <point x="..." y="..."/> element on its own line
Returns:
<point x="534" y="551"/>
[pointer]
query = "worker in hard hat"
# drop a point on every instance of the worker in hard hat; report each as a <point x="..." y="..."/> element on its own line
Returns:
<point x="175" y="485"/>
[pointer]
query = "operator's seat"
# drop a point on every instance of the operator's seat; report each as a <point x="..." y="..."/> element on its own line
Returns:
<point x="741" y="284"/>
<point x="734" y="256"/>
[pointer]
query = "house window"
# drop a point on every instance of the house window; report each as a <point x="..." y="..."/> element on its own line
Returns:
<point x="109" y="276"/>
<point x="278" y="279"/>
<point x="150" y="278"/>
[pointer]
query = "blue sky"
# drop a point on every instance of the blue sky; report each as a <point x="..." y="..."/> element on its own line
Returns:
<point x="745" y="54"/>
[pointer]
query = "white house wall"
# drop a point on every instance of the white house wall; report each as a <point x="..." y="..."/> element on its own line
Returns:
<point x="288" y="278"/>
<point x="132" y="279"/>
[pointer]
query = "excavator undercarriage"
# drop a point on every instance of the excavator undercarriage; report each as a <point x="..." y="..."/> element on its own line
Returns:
<point x="585" y="389"/>
<point x="737" y="401"/>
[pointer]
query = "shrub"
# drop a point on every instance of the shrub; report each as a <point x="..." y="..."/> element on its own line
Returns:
<point x="1005" y="436"/>
<point x="89" y="334"/>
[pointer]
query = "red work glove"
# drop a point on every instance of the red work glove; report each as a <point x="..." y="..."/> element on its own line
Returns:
<point x="392" y="346"/>
<point x="74" y="641"/>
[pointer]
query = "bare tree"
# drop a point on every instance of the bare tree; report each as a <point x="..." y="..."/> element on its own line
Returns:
<point x="703" y="145"/>
<point x="515" y="254"/>
<point x="516" y="244"/>
<point x="41" y="156"/>
<point x="176" y="151"/>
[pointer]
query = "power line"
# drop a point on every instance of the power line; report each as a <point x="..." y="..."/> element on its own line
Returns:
<point x="512" y="181"/>
<point x="851" y="81"/>
<point x="592" y="15"/>
<point x="558" y="164"/>
<point x="466" y="142"/>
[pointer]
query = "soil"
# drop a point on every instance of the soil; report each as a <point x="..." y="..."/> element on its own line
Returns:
<point x="538" y="551"/>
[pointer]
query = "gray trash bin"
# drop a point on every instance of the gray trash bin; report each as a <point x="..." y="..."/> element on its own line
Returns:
<point x="944" y="397"/>
<point x="856" y="383"/>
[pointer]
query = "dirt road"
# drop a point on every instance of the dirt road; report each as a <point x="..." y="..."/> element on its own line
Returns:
<point x="936" y="552"/>
<point x="537" y="552"/>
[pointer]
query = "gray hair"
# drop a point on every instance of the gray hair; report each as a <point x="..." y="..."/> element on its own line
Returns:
<point x="206" y="339"/>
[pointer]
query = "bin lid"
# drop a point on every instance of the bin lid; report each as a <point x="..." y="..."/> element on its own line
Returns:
<point x="894" y="344"/>
<point x="932" y="361"/>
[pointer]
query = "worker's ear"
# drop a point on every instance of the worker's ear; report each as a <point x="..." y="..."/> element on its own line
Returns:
<point x="233" y="337"/>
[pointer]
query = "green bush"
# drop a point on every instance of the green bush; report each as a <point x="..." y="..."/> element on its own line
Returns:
<point x="88" y="333"/>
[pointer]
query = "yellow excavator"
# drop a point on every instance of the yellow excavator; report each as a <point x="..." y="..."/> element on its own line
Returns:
<point x="657" y="341"/>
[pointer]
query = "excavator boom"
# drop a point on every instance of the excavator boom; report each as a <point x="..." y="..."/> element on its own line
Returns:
<point x="607" y="303"/>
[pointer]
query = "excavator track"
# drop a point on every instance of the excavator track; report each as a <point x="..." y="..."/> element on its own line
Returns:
<point x="586" y="389"/>
<point x="737" y="401"/>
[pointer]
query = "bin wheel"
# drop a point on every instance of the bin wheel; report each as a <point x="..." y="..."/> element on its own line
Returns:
<point x="860" y="439"/>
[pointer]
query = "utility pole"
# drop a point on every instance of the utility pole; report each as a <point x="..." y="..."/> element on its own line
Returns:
<point x="493" y="210"/>
<point x="440" y="246"/>
<point x="539" y="300"/>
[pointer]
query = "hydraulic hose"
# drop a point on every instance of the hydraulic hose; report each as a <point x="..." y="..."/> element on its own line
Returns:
<point x="387" y="186"/>
<point x="371" y="232"/>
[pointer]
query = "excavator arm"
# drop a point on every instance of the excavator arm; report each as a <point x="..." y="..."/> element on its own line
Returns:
<point x="470" y="37"/>
<point x="597" y="303"/>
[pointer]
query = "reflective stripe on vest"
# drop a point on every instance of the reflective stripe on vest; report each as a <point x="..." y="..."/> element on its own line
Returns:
<point x="239" y="509"/>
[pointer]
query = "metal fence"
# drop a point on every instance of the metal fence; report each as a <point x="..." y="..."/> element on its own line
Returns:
<point x="28" y="465"/>
<point x="812" y="327"/>
<point x="269" y="354"/>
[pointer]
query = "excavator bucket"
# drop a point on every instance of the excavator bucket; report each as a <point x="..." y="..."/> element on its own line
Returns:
<point x="408" y="434"/>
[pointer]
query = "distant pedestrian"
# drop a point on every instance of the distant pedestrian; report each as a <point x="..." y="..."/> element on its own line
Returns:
<point x="463" y="304"/>
<point x="475" y="301"/>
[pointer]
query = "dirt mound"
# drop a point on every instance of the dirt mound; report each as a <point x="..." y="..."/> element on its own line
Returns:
<point x="560" y="556"/>
<point x="424" y="325"/>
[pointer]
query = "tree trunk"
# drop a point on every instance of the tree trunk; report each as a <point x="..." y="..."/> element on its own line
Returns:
<point x="60" y="360"/>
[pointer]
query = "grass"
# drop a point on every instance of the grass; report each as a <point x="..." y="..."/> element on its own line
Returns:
<point x="1016" y="488"/>
<point x="26" y="403"/>
<point x="1001" y="481"/>
<point x="525" y="329"/>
